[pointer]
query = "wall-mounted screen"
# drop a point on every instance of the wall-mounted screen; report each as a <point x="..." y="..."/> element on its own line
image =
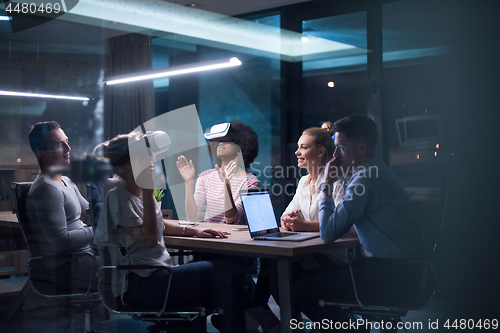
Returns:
<point x="419" y="130"/>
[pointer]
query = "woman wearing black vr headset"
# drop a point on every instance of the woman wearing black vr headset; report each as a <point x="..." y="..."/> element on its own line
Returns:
<point x="233" y="147"/>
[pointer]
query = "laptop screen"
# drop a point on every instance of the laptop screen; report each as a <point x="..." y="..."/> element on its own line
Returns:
<point x="259" y="212"/>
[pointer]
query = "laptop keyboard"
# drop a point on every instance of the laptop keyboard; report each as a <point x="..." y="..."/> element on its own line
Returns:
<point x="282" y="234"/>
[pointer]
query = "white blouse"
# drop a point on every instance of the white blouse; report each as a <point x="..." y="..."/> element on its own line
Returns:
<point x="307" y="203"/>
<point x="308" y="206"/>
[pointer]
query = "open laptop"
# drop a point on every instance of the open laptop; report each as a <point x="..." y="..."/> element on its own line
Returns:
<point x="261" y="221"/>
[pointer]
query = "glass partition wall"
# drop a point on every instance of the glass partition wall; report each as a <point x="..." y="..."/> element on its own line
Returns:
<point x="324" y="66"/>
<point x="395" y="61"/>
<point x="60" y="58"/>
<point x="389" y="61"/>
<point x="76" y="53"/>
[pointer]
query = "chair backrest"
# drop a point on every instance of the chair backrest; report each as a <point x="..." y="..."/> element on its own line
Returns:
<point x="20" y="191"/>
<point x="105" y="288"/>
<point x="96" y="193"/>
<point x="43" y="280"/>
<point x="48" y="282"/>
<point x="105" y="280"/>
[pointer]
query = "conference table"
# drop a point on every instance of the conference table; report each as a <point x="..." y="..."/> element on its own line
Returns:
<point x="239" y="242"/>
<point x="8" y="219"/>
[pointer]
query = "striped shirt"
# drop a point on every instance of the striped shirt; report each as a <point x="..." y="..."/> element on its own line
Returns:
<point x="209" y="191"/>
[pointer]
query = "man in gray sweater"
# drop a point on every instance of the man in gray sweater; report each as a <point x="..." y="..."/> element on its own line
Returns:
<point x="57" y="211"/>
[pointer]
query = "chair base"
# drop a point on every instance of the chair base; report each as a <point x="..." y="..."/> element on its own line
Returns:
<point x="85" y="310"/>
<point x="197" y="325"/>
<point x="390" y="320"/>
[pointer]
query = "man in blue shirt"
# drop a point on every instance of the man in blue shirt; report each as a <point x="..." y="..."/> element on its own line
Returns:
<point x="381" y="212"/>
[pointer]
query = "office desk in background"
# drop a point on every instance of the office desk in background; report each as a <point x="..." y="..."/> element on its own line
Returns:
<point x="13" y="252"/>
<point x="9" y="220"/>
<point x="240" y="243"/>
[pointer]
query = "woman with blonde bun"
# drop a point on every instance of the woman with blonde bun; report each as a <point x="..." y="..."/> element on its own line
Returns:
<point x="315" y="149"/>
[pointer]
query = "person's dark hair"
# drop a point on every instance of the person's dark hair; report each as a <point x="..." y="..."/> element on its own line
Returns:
<point x="358" y="127"/>
<point x="116" y="150"/>
<point x="37" y="136"/>
<point x="323" y="138"/>
<point x="245" y="138"/>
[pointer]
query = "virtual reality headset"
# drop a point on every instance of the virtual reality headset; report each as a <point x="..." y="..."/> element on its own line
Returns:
<point x="157" y="141"/>
<point x="220" y="133"/>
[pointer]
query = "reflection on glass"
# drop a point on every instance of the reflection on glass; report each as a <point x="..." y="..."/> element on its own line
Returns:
<point x="413" y="32"/>
<point x="334" y="86"/>
<point x="348" y="29"/>
<point x="416" y="91"/>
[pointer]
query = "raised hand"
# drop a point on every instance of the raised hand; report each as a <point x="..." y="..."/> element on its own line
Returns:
<point x="332" y="171"/>
<point x="186" y="169"/>
<point x="226" y="173"/>
<point x="146" y="179"/>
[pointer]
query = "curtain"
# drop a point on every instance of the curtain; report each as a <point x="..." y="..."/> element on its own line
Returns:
<point x="127" y="105"/>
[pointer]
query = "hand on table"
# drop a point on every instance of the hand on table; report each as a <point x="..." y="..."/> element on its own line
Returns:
<point x="209" y="233"/>
<point x="293" y="222"/>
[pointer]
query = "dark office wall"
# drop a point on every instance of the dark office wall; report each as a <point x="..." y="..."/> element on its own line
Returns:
<point x="465" y="90"/>
<point x="183" y="89"/>
<point x="471" y="247"/>
<point x="463" y="87"/>
<point x="322" y="103"/>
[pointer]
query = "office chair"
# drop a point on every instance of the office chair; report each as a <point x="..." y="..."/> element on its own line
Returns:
<point x="397" y="300"/>
<point x="95" y="195"/>
<point x="96" y="191"/>
<point x="392" y="301"/>
<point x="169" y="319"/>
<point x="43" y="281"/>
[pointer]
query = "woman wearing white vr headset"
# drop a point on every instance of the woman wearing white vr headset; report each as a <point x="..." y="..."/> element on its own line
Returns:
<point x="233" y="146"/>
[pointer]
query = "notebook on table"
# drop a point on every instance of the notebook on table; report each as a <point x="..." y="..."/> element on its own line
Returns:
<point x="262" y="224"/>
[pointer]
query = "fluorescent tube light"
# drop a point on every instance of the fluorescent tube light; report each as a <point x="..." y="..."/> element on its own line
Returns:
<point x="22" y="94"/>
<point x="175" y="70"/>
<point x="5" y="18"/>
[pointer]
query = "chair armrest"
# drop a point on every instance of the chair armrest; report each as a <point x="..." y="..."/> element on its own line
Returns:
<point x="128" y="267"/>
<point x="122" y="267"/>
<point x="62" y="256"/>
<point x="403" y="263"/>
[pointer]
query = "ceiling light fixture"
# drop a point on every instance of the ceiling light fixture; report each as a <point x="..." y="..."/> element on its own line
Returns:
<point x="5" y="18"/>
<point x="193" y="25"/>
<point x="175" y="70"/>
<point x="23" y="94"/>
